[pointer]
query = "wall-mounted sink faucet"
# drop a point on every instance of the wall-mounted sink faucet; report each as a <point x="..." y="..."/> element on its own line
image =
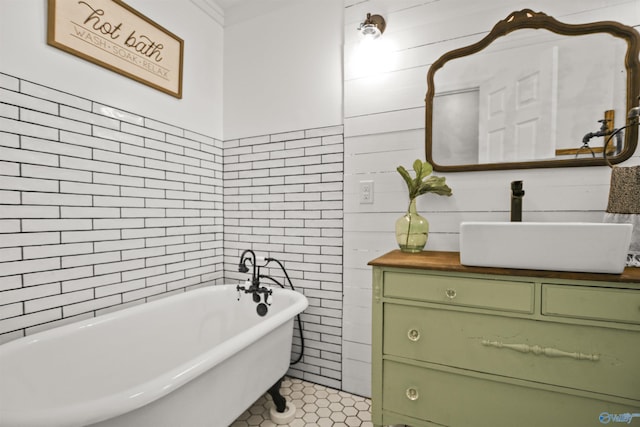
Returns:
<point x="517" y="193"/>
<point x="604" y="131"/>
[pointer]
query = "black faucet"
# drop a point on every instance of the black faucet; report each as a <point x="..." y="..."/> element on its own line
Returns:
<point x="255" y="289"/>
<point x="604" y="131"/>
<point x="517" y="193"/>
<point x="242" y="266"/>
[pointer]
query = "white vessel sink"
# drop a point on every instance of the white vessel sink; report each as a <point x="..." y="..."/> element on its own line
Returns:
<point x="560" y="246"/>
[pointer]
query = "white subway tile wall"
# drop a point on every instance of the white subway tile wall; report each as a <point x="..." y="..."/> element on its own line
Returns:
<point x="102" y="208"/>
<point x="99" y="208"/>
<point x="283" y="198"/>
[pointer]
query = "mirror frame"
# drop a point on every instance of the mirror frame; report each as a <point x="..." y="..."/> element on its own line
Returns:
<point x="527" y="18"/>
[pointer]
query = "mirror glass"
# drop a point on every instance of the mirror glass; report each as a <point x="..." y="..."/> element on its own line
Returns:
<point x="532" y="98"/>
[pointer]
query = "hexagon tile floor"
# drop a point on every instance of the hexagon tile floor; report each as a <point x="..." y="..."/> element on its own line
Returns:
<point x="317" y="406"/>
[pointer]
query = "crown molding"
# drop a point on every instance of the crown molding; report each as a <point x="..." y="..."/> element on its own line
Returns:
<point x="212" y="9"/>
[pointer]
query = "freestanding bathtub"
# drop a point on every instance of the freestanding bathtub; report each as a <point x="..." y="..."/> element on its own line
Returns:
<point x="196" y="359"/>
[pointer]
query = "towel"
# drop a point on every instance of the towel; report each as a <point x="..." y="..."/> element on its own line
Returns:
<point x="624" y="206"/>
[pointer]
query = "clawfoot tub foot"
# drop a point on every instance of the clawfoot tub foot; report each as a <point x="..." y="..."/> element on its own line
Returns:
<point x="284" y="412"/>
<point x="278" y="400"/>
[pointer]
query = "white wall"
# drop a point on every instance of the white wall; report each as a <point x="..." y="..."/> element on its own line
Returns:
<point x="25" y="53"/>
<point x="110" y="191"/>
<point x="283" y="70"/>
<point x="384" y="128"/>
<point x="284" y="159"/>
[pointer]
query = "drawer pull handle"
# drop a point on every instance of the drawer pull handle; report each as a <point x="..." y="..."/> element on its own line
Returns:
<point x="413" y="334"/>
<point x="450" y="293"/>
<point x="412" y="393"/>
<point x="545" y="351"/>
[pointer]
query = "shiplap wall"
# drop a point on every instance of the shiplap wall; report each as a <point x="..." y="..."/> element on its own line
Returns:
<point x="384" y="128"/>
<point x="100" y="208"/>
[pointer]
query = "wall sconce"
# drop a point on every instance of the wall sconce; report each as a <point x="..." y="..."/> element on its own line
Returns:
<point x="372" y="27"/>
<point x="633" y="119"/>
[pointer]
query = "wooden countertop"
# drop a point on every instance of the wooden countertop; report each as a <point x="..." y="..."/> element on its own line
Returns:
<point x="450" y="261"/>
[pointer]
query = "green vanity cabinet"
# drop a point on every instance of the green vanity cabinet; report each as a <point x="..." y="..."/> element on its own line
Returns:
<point x="468" y="346"/>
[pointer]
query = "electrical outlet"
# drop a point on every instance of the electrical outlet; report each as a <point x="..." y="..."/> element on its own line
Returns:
<point x="366" y="192"/>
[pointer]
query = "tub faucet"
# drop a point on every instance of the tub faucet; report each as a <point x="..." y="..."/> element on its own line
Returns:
<point x="254" y="289"/>
<point x="517" y="193"/>
<point x="242" y="266"/>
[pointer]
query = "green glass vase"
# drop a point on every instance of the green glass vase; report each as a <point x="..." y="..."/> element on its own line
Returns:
<point x="412" y="230"/>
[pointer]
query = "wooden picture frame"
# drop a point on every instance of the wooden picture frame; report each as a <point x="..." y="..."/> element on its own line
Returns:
<point x="113" y="35"/>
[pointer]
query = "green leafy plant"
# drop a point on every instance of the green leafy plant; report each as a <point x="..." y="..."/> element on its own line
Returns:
<point x="423" y="182"/>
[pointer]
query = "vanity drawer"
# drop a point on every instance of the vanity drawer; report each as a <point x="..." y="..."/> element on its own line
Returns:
<point x="455" y="400"/>
<point x="589" y="358"/>
<point x="471" y="292"/>
<point x="608" y="304"/>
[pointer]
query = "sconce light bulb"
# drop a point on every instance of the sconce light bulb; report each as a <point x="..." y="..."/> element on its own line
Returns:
<point x="373" y="26"/>
<point x="370" y="31"/>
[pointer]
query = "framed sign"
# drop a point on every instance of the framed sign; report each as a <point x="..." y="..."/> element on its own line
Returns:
<point x="113" y="35"/>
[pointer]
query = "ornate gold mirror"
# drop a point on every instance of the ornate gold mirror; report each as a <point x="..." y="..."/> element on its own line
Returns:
<point x="528" y="96"/>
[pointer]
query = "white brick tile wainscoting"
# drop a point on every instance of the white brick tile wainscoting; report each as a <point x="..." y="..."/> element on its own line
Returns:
<point x="99" y="208"/>
<point x="102" y="208"/>
<point x="283" y="198"/>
